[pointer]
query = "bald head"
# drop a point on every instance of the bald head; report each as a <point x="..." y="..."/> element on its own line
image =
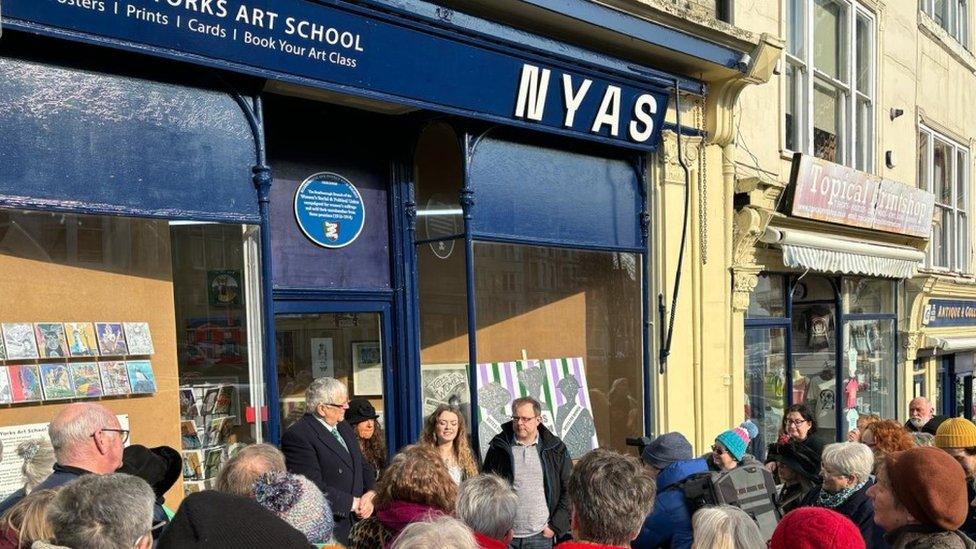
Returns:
<point x="239" y="474"/>
<point x="920" y="410"/>
<point x="85" y="435"/>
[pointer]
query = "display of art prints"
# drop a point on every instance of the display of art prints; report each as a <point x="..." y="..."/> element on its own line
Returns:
<point x="193" y="461"/>
<point x="6" y="397"/>
<point x="209" y="401"/>
<point x="138" y="338"/>
<point x="81" y="339"/>
<point x="18" y="338"/>
<point x="189" y="435"/>
<point x="87" y="380"/>
<point x="51" y="342"/>
<point x="193" y="486"/>
<point x="188" y="409"/>
<point x="445" y="384"/>
<point x="115" y="377"/>
<point x="367" y="368"/>
<point x="3" y="349"/>
<point x="558" y="384"/>
<point x="220" y="430"/>
<point x="111" y="340"/>
<point x="25" y="382"/>
<point x="141" y="377"/>
<point x="213" y="458"/>
<point x="56" y="381"/>
<point x="225" y="396"/>
<point x="323" y="364"/>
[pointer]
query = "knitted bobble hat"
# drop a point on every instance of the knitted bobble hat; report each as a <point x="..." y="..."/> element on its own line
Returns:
<point x="735" y="441"/>
<point x="298" y="502"/>
<point x="816" y="527"/>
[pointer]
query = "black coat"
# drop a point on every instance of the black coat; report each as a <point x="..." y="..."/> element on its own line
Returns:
<point x="556" y="468"/>
<point x="860" y="509"/>
<point x="930" y="427"/>
<point x="969" y="527"/>
<point x="312" y="451"/>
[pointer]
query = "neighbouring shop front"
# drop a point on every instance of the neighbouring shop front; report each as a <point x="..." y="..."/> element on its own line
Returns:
<point x="943" y="343"/>
<point x="271" y="196"/>
<point x="824" y="322"/>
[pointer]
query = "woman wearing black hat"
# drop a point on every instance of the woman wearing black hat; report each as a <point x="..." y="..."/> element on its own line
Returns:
<point x="362" y="417"/>
<point x="799" y="469"/>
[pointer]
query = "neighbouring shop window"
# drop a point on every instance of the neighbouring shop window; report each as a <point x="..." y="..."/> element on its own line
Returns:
<point x="814" y="339"/>
<point x="919" y="383"/>
<point x="563" y="326"/>
<point x="768" y="299"/>
<point x="215" y="355"/>
<point x="951" y="15"/>
<point x="944" y="170"/>
<point x="868" y="376"/>
<point x="765" y="368"/>
<point x="829" y="81"/>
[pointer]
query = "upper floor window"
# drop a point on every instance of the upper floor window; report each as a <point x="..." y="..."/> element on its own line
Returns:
<point x="951" y="15"/>
<point x="943" y="169"/>
<point x="830" y="81"/>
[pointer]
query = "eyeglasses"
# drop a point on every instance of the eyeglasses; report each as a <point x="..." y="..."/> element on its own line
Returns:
<point x="517" y="419"/>
<point x="718" y="449"/>
<point x="123" y="434"/>
<point x="796" y="422"/>
<point x="341" y="406"/>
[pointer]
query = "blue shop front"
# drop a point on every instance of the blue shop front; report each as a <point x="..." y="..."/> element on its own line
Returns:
<point x="431" y="207"/>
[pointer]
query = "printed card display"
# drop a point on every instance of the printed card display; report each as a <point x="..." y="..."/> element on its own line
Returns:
<point x="193" y="461"/>
<point x="220" y="430"/>
<point x="193" y="486"/>
<point x="81" y="339"/>
<point x="56" y="381"/>
<point x="87" y="380"/>
<point x="214" y="457"/>
<point x="138" y="338"/>
<point x="111" y="341"/>
<point x="225" y="396"/>
<point x="141" y="377"/>
<point x="25" y="382"/>
<point x="3" y="349"/>
<point x="115" y="377"/>
<point x="189" y="435"/>
<point x="188" y="408"/>
<point x="18" y="338"/>
<point x="51" y="342"/>
<point x="209" y="401"/>
<point x="5" y="395"/>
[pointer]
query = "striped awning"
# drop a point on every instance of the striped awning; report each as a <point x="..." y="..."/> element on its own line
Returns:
<point x="807" y="250"/>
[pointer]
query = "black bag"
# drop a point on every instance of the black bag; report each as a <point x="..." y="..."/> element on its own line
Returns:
<point x="748" y="487"/>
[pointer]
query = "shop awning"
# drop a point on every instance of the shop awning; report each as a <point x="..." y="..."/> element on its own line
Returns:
<point x="807" y="250"/>
<point x="950" y="344"/>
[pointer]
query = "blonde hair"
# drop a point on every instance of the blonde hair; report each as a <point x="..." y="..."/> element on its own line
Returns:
<point x="38" y="456"/>
<point x="28" y="517"/>
<point x="725" y="527"/>
<point x="462" y="450"/>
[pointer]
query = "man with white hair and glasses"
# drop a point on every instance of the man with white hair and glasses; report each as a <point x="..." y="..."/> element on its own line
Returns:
<point x="112" y="511"/>
<point x="324" y="449"/>
<point x="87" y="439"/>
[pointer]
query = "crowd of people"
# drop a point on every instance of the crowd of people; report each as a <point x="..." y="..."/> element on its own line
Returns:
<point x="332" y="484"/>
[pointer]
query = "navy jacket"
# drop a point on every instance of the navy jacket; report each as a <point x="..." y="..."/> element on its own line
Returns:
<point x="63" y="474"/>
<point x="669" y="524"/>
<point x="312" y="451"/>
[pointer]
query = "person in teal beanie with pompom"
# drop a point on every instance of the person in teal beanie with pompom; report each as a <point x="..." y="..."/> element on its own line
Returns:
<point x="730" y="448"/>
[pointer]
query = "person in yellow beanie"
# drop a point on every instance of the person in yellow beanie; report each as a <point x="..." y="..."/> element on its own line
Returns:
<point x="957" y="436"/>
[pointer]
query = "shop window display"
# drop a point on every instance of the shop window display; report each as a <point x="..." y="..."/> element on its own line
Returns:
<point x="765" y="367"/>
<point x="814" y="351"/>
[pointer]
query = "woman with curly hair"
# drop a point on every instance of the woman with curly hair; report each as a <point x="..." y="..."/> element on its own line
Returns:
<point x="885" y="437"/>
<point x="444" y="430"/>
<point x="415" y="487"/>
<point x="364" y="420"/>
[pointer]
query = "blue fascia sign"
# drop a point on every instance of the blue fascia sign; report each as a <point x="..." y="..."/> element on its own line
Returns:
<point x="329" y="210"/>
<point x="940" y="313"/>
<point x="351" y="50"/>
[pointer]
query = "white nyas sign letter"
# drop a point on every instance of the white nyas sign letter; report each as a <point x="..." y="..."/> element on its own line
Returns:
<point x="532" y="93"/>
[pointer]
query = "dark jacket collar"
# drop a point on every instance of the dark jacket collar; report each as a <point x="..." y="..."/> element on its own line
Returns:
<point x="58" y="468"/>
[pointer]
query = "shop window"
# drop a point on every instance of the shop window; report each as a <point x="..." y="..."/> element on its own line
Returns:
<point x="814" y="339"/>
<point x="765" y="368"/>
<point x="768" y="299"/>
<point x="216" y="311"/>
<point x="944" y="169"/>
<point x="919" y="385"/>
<point x="869" y="296"/>
<point x="951" y="15"/>
<point x="869" y="376"/>
<point x="829" y="81"/>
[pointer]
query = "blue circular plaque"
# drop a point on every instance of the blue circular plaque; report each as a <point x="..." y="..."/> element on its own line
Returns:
<point x="329" y="210"/>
